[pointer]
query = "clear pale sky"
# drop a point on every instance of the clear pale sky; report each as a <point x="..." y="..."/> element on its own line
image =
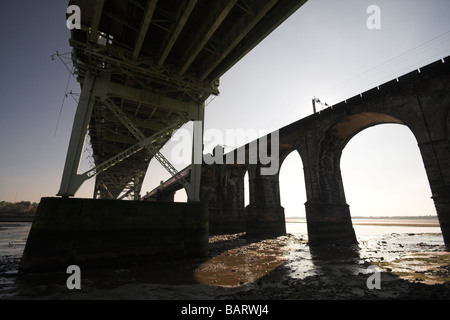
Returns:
<point x="324" y="50"/>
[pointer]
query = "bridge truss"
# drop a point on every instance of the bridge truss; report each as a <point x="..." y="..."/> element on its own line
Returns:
<point x="145" y="68"/>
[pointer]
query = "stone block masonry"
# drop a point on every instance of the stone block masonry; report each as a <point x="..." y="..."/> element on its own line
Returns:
<point x="417" y="100"/>
<point x="97" y="233"/>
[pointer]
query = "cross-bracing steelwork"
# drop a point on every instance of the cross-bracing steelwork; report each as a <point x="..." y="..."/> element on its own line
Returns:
<point x="146" y="67"/>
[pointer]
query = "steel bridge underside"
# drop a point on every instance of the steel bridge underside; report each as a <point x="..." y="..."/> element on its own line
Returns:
<point x="146" y="67"/>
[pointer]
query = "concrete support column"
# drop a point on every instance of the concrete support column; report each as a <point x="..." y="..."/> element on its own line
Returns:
<point x="436" y="158"/>
<point x="265" y="213"/>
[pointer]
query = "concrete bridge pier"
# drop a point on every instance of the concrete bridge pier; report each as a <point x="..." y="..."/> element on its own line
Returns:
<point x="165" y="196"/>
<point x="265" y="215"/>
<point x="95" y="233"/>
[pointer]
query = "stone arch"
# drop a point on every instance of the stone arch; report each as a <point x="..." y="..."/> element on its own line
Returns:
<point x="286" y="153"/>
<point x="297" y="183"/>
<point x="369" y="176"/>
<point x="246" y="182"/>
<point x="335" y="140"/>
<point x="327" y="212"/>
<point x="340" y="133"/>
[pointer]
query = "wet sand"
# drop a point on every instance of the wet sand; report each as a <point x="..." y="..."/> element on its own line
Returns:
<point x="411" y="266"/>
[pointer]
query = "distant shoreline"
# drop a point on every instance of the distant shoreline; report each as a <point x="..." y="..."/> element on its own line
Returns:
<point x="400" y="224"/>
<point x="16" y="217"/>
<point x="403" y="221"/>
<point x="384" y="217"/>
<point x="406" y="221"/>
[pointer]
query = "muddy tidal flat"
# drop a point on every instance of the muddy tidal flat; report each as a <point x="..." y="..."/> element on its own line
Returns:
<point x="405" y="266"/>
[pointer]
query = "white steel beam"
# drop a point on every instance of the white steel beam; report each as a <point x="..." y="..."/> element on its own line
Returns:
<point x="193" y="190"/>
<point x="70" y="179"/>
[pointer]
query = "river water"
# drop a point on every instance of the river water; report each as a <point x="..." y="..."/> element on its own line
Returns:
<point x="233" y="263"/>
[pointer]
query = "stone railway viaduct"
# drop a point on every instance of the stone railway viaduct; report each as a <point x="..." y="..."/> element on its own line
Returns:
<point x="419" y="100"/>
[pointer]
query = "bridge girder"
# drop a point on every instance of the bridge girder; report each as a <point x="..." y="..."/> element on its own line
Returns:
<point x="159" y="61"/>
